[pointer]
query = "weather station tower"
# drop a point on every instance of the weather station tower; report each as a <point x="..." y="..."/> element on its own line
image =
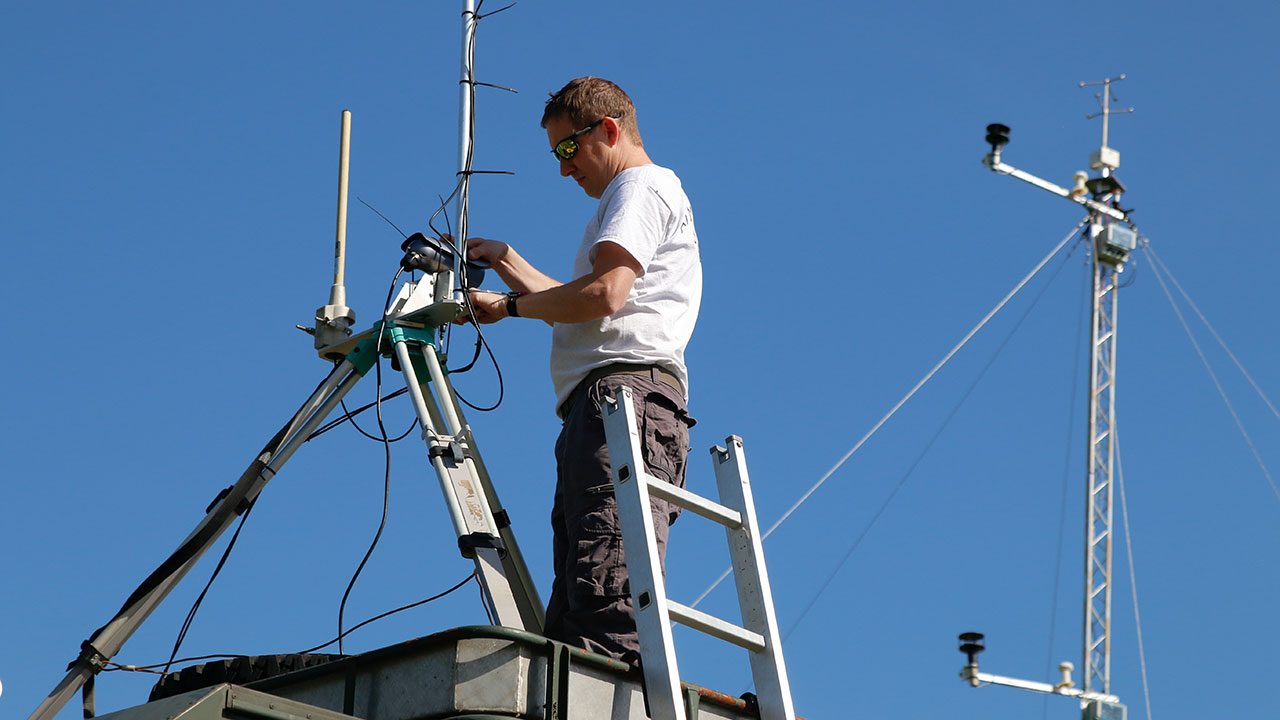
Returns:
<point x="1113" y="237"/>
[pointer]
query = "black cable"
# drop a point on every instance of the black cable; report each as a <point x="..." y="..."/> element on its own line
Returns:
<point x="1132" y="266"/>
<point x="496" y="369"/>
<point x="938" y="433"/>
<point x="152" y="668"/>
<point x="386" y="445"/>
<point x="410" y="606"/>
<point x="382" y="523"/>
<point x="352" y="418"/>
<point x="474" y="357"/>
<point x="191" y="614"/>
<point x="484" y="603"/>
<point x="446" y="330"/>
<point x="495" y="12"/>
<point x="338" y="421"/>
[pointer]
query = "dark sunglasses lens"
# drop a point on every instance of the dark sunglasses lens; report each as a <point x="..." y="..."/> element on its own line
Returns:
<point x="566" y="149"/>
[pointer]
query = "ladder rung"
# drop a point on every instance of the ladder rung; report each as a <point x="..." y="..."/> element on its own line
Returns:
<point x="715" y="627"/>
<point x="728" y="517"/>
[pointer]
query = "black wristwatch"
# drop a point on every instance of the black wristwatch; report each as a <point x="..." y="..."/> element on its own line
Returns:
<point x="511" y="304"/>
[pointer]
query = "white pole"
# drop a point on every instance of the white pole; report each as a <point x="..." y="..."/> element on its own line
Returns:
<point x="465" y="122"/>
<point x="338" y="293"/>
<point x="334" y="321"/>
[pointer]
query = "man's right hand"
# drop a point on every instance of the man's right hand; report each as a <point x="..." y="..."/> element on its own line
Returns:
<point x="486" y="307"/>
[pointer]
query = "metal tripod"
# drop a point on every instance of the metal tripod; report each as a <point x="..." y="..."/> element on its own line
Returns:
<point x="407" y="335"/>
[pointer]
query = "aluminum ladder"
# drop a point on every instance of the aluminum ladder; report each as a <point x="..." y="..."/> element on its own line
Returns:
<point x="758" y="634"/>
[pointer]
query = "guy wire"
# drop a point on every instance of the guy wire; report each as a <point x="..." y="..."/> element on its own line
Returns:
<point x="1214" y="377"/>
<point x="929" y="445"/>
<point x="904" y="399"/>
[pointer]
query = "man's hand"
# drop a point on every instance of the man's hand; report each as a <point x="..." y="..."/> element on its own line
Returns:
<point x="491" y="251"/>
<point x="486" y="307"/>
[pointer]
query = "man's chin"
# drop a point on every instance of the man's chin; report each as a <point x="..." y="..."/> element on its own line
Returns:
<point x="586" y="189"/>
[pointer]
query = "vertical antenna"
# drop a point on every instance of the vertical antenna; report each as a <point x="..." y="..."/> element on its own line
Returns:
<point x="338" y="293"/>
<point x="334" y="321"/>
<point x="466" y="123"/>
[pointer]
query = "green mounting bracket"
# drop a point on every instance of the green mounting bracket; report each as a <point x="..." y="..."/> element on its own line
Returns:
<point x="395" y="333"/>
<point x="363" y="356"/>
<point x="365" y="353"/>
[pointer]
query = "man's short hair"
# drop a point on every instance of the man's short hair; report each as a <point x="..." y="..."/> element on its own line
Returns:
<point x="588" y="99"/>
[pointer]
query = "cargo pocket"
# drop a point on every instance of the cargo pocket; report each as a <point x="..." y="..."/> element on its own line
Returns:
<point x="599" y="567"/>
<point x="666" y="439"/>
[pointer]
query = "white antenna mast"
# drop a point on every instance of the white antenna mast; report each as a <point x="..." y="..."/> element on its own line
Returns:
<point x="466" y="127"/>
<point x="334" y="321"/>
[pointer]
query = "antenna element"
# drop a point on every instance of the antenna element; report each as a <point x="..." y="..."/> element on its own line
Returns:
<point x="334" y="321"/>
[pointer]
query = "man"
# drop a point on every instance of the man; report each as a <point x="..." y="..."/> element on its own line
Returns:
<point x="624" y="319"/>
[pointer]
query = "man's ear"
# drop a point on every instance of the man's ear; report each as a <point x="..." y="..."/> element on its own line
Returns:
<point x="613" y="130"/>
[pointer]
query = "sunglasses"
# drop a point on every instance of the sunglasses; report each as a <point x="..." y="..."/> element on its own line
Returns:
<point x="568" y="147"/>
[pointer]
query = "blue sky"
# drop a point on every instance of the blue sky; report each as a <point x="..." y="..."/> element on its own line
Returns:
<point x="168" y="192"/>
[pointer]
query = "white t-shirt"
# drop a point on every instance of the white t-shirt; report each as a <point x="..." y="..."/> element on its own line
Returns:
<point x="645" y="211"/>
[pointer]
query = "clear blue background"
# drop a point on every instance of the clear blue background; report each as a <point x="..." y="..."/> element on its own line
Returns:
<point x="168" y="199"/>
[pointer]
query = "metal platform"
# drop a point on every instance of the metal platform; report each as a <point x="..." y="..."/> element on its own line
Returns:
<point x="465" y="673"/>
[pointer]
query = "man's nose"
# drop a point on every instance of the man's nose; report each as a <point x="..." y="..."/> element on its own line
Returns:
<point x="566" y="167"/>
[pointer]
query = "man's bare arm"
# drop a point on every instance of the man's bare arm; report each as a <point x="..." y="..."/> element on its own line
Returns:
<point x="514" y="270"/>
<point x="597" y="294"/>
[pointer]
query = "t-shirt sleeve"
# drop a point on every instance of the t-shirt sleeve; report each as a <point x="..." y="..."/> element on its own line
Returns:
<point x="636" y="219"/>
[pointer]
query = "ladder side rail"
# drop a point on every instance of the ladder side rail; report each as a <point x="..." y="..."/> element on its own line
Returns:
<point x="648" y="588"/>
<point x="755" y="597"/>
<point x="108" y="640"/>
<point x="468" y="510"/>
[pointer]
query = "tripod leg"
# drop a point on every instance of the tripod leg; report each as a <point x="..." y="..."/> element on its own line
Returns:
<point x="532" y="611"/>
<point x="473" y="523"/>
<point x="107" y="640"/>
<point x="428" y="416"/>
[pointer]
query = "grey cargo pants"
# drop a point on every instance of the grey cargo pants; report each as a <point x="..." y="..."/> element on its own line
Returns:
<point x="590" y="604"/>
